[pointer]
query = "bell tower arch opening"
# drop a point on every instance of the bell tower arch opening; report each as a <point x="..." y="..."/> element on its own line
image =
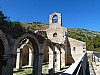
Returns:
<point x="55" y="20"/>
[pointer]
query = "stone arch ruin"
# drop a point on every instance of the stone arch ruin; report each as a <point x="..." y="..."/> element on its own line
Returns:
<point x="5" y="59"/>
<point x="32" y="49"/>
<point x="48" y="51"/>
<point x="37" y="53"/>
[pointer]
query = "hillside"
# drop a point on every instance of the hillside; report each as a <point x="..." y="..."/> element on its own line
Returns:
<point x="92" y="38"/>
<point x="33" y="26"/>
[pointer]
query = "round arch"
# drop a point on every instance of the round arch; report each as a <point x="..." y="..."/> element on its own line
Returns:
<point x="48" y="42"/>
<point x="56" y="19"/>
<point x="58" y="48"/>
<point x="48" y="55"/>
<point x="37" y="63"/>
<point x="31" y="38"/>
<point x="5" y="42"/>
<point x="4" y="49"/>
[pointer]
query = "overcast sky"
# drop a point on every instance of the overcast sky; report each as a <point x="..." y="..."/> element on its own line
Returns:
<point x="75" y="13"/>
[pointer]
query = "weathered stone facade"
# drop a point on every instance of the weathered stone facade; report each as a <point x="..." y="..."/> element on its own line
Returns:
<point x="77" y="48"/>
<point x="51" y="45"/>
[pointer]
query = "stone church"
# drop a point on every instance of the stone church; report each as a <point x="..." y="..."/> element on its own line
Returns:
<point x="51" y="46"/>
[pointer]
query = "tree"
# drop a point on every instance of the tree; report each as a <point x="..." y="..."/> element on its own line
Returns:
<point x="2" y="17"/>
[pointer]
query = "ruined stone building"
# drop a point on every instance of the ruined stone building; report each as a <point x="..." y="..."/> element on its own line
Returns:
<point x="51" y="45"/>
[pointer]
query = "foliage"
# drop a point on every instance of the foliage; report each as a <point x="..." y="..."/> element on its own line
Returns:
<point x="2" y="17"/>
<point x="11" y="29"/>
<point x="15" y="29"/>
<point x="34" y="26"/>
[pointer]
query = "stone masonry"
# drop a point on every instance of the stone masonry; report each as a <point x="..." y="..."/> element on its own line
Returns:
<point x="32" y="49"/>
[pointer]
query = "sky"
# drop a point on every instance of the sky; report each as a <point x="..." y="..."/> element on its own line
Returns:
<point x="75" y="13"/>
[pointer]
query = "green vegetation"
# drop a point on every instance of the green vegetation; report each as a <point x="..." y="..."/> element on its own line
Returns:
<point x="15" y="29"/>
<point x="23" y="71"/>
<point x="91" y="38"/>
<point x="33" y="26"/>
<point x="11" y="29"/>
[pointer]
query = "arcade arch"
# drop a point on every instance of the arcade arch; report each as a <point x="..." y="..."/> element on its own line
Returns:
<point x="1" y="55"/>
<point x="48" y="56"/>
<point x="4" y="52"/>
<point x="19" y="45"/>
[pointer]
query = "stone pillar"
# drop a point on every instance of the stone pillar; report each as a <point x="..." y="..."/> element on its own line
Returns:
<point x="19" y="58"/>
<point x="30" y="57"/>
<point x="51" y="61"/>
<point x="8" y="64"/>
<point x="62" y="58"/>
<point x="58" y="65"/>
<point x="57" y="60"/>
<point x="37" y="65"/>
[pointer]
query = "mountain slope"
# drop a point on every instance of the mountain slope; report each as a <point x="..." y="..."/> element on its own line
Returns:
<point x="92" y="38"/>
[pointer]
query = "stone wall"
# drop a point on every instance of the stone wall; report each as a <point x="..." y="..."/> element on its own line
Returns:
<point x="77" y="48"/>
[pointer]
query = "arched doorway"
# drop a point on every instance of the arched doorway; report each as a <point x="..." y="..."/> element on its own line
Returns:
<point x="24" y="41"/>
<point x="48" y="57"/>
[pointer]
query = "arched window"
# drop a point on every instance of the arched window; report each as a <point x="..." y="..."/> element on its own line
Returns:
<point x="55" y="19"/>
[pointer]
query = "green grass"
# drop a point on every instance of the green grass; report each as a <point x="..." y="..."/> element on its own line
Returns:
<point x="23" y="71"/>
<point x="28" y="71"/>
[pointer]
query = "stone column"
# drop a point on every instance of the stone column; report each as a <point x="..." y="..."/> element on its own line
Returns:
<point x="62" y="58"/>
<point x="51" y="62"/>
<point x="57" y="60"/>
<point x="8" y="64"/>
<point x="30" y="57"/>
<point x="58" y="66"/>
<point x="19" y="58"/>
<point x="37" y="65"/>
